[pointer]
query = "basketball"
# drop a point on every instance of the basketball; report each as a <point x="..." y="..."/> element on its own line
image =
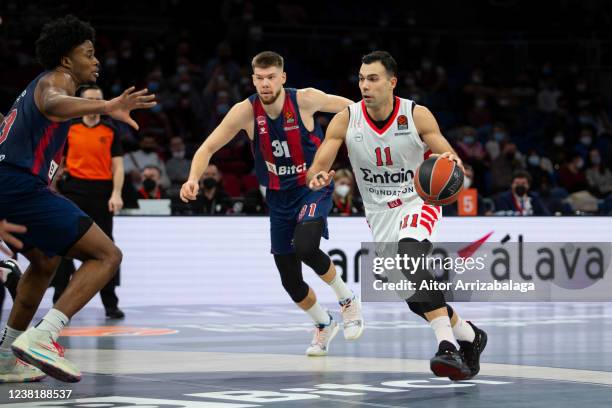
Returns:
<point x="438" y="181"/>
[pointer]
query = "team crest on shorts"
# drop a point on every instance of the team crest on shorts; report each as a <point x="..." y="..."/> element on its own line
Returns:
<point x="402" y="122"/>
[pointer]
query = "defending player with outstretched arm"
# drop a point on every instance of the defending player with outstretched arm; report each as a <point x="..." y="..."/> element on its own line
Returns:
<point x="285" y="136"/>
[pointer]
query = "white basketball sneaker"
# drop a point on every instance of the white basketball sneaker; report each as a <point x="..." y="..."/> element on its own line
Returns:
<point x="37" y="347"/>
<point x="352" y="319"/>
<point x="13" y="370"/>
<point x="323" y="335"/>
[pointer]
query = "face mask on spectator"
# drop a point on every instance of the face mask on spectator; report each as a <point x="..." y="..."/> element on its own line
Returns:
<point x="499" y="136"/>
<point x="533" y="160"/>
<point x="596" y="159"/>
<point x="342" y="190"/>
<point x="586" y="140"/>
<point x="149" y="184"/>
<point x="209" y="183"/>
<point x="467" y="182"/>
<point x="580" y="164"/>
<point x="469" y="139"/>
<point x="520" y="190"/>
<point x="178" y="154"/>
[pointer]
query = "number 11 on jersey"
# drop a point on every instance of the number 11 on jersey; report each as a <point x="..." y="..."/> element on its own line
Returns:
<point x="379" y="160"/>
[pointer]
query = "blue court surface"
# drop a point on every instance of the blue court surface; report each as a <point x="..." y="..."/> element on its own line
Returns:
<point x="538" y="355"/>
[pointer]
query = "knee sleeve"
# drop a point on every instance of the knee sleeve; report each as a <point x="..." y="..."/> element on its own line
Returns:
<point x="306" y="240"/>
<point x="290" y="269"/>
<point x="425" y="300"/>
<point x="417" y="308"/>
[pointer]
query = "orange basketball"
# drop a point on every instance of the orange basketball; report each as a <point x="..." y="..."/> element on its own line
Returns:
<point x="438" y="181"/>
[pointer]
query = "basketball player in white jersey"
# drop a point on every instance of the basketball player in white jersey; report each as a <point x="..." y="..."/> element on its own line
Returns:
<point x="387" y="139"/>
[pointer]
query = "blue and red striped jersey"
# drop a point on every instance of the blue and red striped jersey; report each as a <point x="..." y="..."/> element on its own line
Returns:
<point x="283" y="148"/>
<point x="29" y="140"/>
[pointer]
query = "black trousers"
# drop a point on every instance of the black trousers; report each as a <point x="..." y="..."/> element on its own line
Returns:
<point x="91" y="197"/>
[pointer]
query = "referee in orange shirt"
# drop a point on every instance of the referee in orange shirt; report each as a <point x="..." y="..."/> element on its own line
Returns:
<point x="93" y="180"/>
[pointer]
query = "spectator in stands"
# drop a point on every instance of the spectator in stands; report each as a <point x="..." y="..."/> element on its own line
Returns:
<point x="598" y="176"/>
<point x="255" y="202"/>
<point x="177" y="166"/>
<point x="502" y="168"/>
<point x="469" y="147"/>
<point x="559" y="151"/>
<point x="151" y="188"/>
<point x="431" y="77"/>
<point x="480" y="115"/>
<point x="212" y="200"/>
<point x="585" y="141"/>
<point x="136" y="162"/>
<point x="540" y="169"/>
<point x="547" y="97"/>
<point x="344" y="200"/>
<point x="519" y="200"/>
<point x="499" y="135"/>
<point x="571" y="175"/>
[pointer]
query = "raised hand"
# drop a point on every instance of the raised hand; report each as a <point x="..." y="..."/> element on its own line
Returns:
<point x="120" y="107"/>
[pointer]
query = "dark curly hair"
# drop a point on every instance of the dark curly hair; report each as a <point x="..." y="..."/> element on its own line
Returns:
<point x="59" y="37"/>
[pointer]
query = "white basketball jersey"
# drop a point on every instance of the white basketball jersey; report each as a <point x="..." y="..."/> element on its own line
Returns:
<point x="385" y="160"/>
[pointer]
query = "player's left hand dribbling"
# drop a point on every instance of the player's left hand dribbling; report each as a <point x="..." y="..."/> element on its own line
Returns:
<point x="321" y="179"/>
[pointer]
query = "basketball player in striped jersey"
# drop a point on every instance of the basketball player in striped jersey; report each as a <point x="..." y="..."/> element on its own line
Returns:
<point x="284" y="134"/>
<point x="32" y="137"/>
<point x="387" y="139"/>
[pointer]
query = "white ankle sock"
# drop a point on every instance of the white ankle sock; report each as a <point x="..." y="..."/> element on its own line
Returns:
<point x="8" y="337"/>
<point x="53" y="322"/>
<point x="463" y="331"/>
<point x="340" y="289"/>
<point x="443" y="330"/>
<point x="319" y="315"/>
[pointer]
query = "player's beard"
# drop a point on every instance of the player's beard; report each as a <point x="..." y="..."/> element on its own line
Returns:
<point x="270" y="101"/>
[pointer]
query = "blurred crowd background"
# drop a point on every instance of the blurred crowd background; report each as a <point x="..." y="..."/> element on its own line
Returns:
<point x="521" y="90"/>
